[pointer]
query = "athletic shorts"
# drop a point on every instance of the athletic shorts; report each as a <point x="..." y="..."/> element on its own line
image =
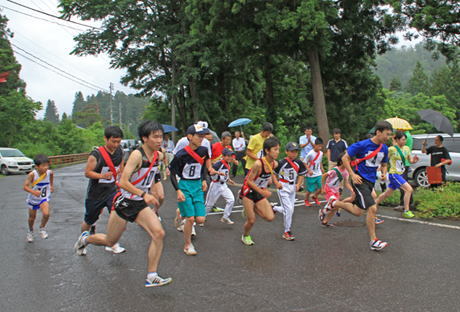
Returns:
<point x="331" y="192"/>
<point x="254" y="196"/>
<point x="36" y="206"/>
<point x="94" y="207"/>
<point x="396" y="181"/>
<point x="363" y="193"/>
<point x="193" y="206"/>
<point x="128" y="209"/>
<point x="157" y="178"/>
<point x="313" y="184"/>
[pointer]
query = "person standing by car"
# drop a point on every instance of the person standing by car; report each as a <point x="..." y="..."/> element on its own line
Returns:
<point x="440" y="156"/>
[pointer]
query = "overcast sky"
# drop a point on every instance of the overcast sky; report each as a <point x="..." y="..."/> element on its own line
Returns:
<point x="53" y="43"/>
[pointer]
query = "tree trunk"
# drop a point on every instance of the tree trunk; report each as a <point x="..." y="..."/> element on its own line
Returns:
<point x="319" y="101"/>
<point x="194" y="99"/>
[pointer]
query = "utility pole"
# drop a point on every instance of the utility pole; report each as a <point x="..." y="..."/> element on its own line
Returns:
<point x="110" y="103"/>
<point x="119" y="112"/>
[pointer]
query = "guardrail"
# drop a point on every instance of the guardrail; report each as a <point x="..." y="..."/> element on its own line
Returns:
<point x="68" y="159"/>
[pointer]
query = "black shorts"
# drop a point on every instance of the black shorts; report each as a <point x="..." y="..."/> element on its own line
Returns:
<point x="128" y="209"/>
<point x="94" y="207"/>
<point x="157" y="178"/>
<point x="254" y="196"/>
<point x="363" y="193"/>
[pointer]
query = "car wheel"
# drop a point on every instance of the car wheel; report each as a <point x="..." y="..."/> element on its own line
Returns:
<point x="4" y="170"/>
<point x="421" y="178"/>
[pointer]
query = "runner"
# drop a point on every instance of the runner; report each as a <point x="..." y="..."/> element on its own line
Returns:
<point x="291" y="172"/>
<point x="220" y="188"/>
<point x="131" y="204"/>
<point x="398" y="154"/>
<point x="189" y="164"/>
<point x="103" y="168"/>
<point x="314" y="164"/>
<point x="254" y="192"/>
<point x="370" y="154"/>
<point x="39" y="184"/>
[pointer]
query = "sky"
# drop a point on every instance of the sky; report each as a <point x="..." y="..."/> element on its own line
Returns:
<point x="53" y="44"/>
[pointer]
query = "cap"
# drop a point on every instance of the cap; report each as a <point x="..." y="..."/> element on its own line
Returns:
<point x="292" y="146"/>
<point x="204" y="124"/>
<point x="197" y="129"/>
<point x="227" y="152"/>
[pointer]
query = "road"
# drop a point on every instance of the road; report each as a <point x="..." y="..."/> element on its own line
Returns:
<point x="324" y="269"/>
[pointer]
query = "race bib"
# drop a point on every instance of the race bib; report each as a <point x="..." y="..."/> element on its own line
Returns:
<point x="375" y="161"/>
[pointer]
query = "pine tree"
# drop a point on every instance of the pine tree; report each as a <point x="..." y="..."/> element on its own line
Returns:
<point x="51" y="113"/>
<point x="419" y="82"/>
<point x="395" y="84"/>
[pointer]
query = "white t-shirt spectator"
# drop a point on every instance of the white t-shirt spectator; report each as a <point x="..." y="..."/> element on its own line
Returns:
<point x="183" y="142"/>
<point x="168" y="146"/>
<point x="314" y="165"/>
<point x="239" y="144"/>
<point x="303" y="140"/>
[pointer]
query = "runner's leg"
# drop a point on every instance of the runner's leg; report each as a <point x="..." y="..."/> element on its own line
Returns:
<point x="148" y="220"/>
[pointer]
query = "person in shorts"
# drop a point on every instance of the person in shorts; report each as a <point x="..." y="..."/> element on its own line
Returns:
<point x="132" y="203"/>
<point x="314" y="164"/>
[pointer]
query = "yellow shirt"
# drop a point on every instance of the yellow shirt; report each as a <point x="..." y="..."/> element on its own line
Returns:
<point x="397" y="165"/>
<point x="256" y="143"/>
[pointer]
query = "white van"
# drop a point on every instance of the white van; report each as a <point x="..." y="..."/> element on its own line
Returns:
<point x="13" y="160"/>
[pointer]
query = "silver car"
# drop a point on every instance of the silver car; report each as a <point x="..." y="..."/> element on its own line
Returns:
<point x="418" y="172"/>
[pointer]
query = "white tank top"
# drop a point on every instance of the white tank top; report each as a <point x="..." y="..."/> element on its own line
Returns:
<point x="43" y="186"/>
<point x="147" y="181"/>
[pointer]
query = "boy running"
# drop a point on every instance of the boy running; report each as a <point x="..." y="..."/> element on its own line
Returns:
<point x="370" y="154"/>
<point x="291" y="173"/>
<point x="314" y="164"/>
<point x="398" y="154"/>
<point x="220" y="188"/>
<point x="103" y="168"/>
<point x="132" y="203"/>
<point x="254" y="191"/>
<point x="189" y="164"/>
<point x="39" y="184"/>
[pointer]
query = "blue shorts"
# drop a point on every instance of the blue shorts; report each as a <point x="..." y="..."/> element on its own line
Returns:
<point x="193" y="206"/>
<point x="313" y="184"/>
<point x="396" y="181"/>
<point x="37" y="206"/>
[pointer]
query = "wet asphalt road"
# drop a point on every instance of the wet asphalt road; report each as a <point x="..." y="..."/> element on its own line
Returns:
<point x="324" y="269"/>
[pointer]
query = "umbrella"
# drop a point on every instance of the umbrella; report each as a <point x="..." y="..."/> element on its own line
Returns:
<point x="239" y="122"/>
<point x="169" y="128"/>
<point x="399" y="124"/>
<point x="438" y="120"/>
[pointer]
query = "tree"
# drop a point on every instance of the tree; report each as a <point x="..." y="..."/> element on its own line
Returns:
<point x="51" y="113"/>
<point x="419" y="82"/>
<point x="395" y="84"/>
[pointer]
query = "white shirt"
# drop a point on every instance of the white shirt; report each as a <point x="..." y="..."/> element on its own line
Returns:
<point x="316" y="165"/>
<point x="183" y="142"/>
<point x="239" y="144"/>
<point x="168" y="145"/>
<point x="303" y="140"/>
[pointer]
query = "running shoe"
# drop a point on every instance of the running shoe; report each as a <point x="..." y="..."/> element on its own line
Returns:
<point x="226" y="220"/>
<point x="408" y="214"/>
<point x="247" y="240"/>
<point x="30" y="237"/>
<point x="379" y="221"/>
<point x="307" y="203"/>
<point x="157" y="281"/>
<point x="377" y="245"/>
<point x="80" y="243"/>
<point x="116" y="249"/>
<point x="330" y="202"/>
<point x="193" y="230"/>
<point x="315" y="199"/>
<point x="217" y="209"/>
<point x="288" y="236"/>
<point x="43" y="233"/>
<point x="190" y="250"/>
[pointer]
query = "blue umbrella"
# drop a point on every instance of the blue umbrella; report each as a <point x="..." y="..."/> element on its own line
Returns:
<point x="240" y="122"/>
<point x="169" y="128"/>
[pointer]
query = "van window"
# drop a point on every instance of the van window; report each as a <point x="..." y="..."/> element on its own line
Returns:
<point x="452" y="144"/>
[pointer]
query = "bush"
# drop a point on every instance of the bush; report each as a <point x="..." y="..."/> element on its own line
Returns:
<point x="441" y="202"/>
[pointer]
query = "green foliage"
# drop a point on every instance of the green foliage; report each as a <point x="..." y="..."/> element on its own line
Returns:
<point x="418" y="83"/>
<point x="392" y="200"/>
<point x="51" y="113"/>
<point x="440" y="202"/>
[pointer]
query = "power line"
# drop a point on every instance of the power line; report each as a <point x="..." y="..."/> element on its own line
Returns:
<point x="56" y="72"/>
<point x="42" y="19"/>
<point x="51" y="15"/>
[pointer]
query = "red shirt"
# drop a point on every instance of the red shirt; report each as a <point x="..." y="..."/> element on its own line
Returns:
<point x="217" y="149"/>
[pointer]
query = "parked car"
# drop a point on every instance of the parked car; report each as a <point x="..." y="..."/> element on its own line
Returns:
<point x="13" y="160"/>
<point x="418" y="172"/>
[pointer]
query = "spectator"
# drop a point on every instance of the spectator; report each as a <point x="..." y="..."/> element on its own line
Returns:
<point x="439" y="156"/>
<point x="168" y="144"/>
<point x="239" y="146"/>
<point x="335" y="147"/>
<point x="306" y="142"/>
<point x="256" y="143"/>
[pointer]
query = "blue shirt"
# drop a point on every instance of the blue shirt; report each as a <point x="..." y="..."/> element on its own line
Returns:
<point x="303" y="140"/>
<point x="368" y="168"/>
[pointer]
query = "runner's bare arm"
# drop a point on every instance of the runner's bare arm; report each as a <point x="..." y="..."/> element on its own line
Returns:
<point x="134" y="162"/>
<point x="300" y="181"/>
<point x="28" y="185"/>
<point x="346" y="163"/>
<point x="91" y="174"/>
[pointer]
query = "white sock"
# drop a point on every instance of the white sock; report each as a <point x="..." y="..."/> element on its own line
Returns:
<point x="151" y="275"/>
<point x="278" y="209"/>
